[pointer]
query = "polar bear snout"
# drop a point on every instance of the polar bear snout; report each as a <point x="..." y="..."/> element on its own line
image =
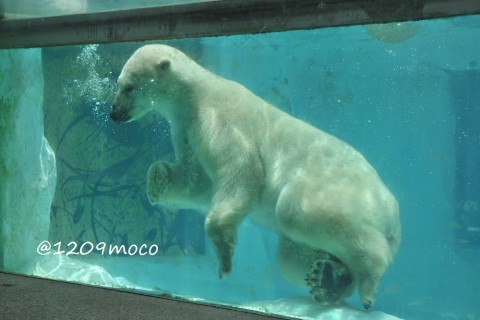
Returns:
<point x="119" y="115"/>
<point x="122" y="107"/>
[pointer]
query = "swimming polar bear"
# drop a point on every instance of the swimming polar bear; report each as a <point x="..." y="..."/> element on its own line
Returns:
<point x="237" y="155"/>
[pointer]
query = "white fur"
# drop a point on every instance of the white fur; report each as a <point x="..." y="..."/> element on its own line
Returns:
<point x="238" y="155"/>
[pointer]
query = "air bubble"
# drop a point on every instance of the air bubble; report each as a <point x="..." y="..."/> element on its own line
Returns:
<point x="94" y="90"/>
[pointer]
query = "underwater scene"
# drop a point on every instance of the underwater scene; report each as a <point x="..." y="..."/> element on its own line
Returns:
<point x="106" y="181"/>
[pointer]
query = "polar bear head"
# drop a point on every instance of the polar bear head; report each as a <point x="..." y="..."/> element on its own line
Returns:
<point x="153" y="78"/>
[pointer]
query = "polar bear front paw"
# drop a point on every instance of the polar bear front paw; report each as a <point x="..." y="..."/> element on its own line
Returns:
<point x="158" y="181"/>
<point x="222" y="235"/>
<point x="224" y="249"/>
<point x="225" y="268"/>
<point x="329" y="281"/>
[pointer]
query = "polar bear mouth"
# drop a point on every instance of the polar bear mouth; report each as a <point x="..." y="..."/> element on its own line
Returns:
<point x="119" y="117"/>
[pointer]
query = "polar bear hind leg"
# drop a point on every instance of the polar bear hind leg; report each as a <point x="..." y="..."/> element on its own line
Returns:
<point x="370" y="265"/>
<point x="363" y="249"/>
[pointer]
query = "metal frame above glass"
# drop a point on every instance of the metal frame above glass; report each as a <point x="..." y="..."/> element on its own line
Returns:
<point x="216" y="18"/>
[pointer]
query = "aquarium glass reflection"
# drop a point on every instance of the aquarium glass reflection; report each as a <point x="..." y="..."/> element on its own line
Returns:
<point x="74" y="202"/>
<point x="24" y="9"/>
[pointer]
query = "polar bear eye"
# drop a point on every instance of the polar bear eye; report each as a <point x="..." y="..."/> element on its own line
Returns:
<point x="128" y="89"/>
<point x="164" y="65"/>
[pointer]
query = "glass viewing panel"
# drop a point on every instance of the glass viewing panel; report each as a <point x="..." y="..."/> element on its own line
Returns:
<point x="405" y="95"/>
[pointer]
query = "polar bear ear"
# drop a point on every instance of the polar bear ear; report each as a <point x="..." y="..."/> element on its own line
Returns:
<point x="163" y="65"/>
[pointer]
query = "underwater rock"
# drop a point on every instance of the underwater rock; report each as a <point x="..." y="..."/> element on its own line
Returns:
<point x="27" y="163"/>
<point x="307" y="309"/>
<point x="63" y="268"/>
<point x="395" y="32"/>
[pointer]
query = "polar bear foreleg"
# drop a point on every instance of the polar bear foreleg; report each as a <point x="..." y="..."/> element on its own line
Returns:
<point x="221" y="230"/>
<point x="230" y="205"/>
<point x="238" y="184"/>
<point x="177" y="185"/>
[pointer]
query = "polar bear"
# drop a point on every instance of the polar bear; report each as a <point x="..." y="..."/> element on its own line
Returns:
<point x="237" y="155"/>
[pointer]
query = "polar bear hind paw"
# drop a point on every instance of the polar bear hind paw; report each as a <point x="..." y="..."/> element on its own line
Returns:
<point x="328" y="281"/>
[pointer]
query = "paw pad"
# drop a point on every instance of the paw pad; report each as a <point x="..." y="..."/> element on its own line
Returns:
<point x="328" y="281"/>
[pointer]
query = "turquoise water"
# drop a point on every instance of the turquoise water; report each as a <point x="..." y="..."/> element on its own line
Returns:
<point x="405" y="95"/>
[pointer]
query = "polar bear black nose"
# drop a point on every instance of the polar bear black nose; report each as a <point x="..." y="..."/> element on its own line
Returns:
<point x="113" y="114"/>
<point x="119" y="115"/>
